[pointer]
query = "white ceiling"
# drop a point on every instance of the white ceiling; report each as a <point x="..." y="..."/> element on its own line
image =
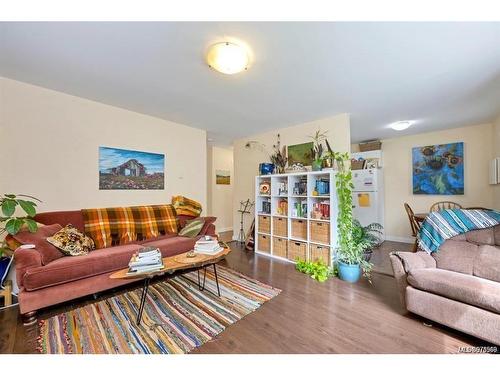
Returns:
<point x="439" y="74"/>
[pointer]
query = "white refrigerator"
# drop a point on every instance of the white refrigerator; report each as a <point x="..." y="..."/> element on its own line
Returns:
<point x="368" y="196"/>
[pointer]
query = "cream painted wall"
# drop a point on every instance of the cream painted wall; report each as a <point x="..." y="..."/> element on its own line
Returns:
<point x="246" y="162"/>
<point x="496" y="154"/>
<point x="220" y="197"/>
<point x="478" y="150"/>
<point x="50" y="144"/>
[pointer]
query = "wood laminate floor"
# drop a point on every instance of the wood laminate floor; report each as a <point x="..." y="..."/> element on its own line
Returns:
<point x="307" y="317"/>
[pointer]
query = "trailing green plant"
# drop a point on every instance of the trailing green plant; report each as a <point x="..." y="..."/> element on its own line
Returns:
<point x="13" y="223"/>
<point x="350" y="251"/>
<point x="317" y="149"/>
<point x="369" y="235"/>
<point x="319" y="271"/>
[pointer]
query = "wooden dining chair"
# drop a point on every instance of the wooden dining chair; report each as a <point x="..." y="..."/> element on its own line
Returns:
<point x="414" y="224"/>
<point x="444" y="205"/>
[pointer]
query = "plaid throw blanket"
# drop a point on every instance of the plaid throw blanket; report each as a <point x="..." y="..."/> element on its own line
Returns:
<point x="186" y="207"/>
<point x="120" y="225"/>
<point x="442" y="225"/>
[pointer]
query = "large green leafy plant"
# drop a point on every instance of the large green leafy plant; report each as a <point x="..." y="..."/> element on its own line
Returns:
<point x="12" y="223"/>
<point x="350" y="251"/>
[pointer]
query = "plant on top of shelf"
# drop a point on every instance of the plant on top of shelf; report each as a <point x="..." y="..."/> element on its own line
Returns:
<point x="11" y="223"/>
<point x="317" y="149"/>
<point x="329" y="156"/>
<point x="350" y="255"/>
<point x="279" y="157"/>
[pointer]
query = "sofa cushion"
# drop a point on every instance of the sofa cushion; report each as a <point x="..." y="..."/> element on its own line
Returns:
<point x="496" y="234"/>
<point x="456" y="256"/>
<point x="64" y="218"/>
<point x="173" y="246"/>
<point x="481" y="236"/>
<point x="192" y="228"/>
<point x="457" y="286"/>
<point x="48" y="252"/>
<point x="69" y="269"/>
<point x="71" y="241"/>
<point x="487" y="264"/>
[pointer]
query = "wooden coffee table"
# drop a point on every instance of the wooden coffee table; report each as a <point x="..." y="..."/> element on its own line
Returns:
<point x="175" y="263"/>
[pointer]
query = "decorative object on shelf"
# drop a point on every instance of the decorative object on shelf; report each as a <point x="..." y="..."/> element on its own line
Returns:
<point x="370" y="235"/>
<point x="265" y="188"/>
<point x="283" y="188"/>
<point x="222" y="177"/>
<point x="315" y="192"/>
<point x="300" y="154"/>
<point x="322" y="186"/>
<point x="321" y="210"/>
<point x="300" y="187"/>
<point x="266" y="168"/>
<point x="300" y="209"/>
<point x="350" y="253"/>
<point x="282" y="208"/>
<point x="130" y="170"/>
<point x="278" y="157"/>
<point x="371" y="145"/>
<point x="439" y="169"/>
<point x="266" y="207"/>
<point x="296" y="167"/>
<point x="245" y="207"/>
<point x="317" y="149"/>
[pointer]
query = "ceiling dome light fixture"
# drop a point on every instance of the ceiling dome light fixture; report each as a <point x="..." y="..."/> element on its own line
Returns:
<point x="400" y="125"/>
<point x="228" y="57"/>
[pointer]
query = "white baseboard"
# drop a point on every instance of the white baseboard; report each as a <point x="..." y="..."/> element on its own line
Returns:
<point x="400" y="239"/>
<point x="220" y="230"/>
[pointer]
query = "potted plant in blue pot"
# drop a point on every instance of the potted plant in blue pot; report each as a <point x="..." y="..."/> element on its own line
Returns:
<point x="351" y="261"/>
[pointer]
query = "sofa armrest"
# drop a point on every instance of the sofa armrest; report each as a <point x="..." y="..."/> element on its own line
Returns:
<point x="403" y="263"/>
<point x="25" y="259"/>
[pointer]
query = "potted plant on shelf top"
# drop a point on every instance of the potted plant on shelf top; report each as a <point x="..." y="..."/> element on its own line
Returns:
<point x="278" y="157"/>
<point x="350" y="255"/>
<point x="317" y="149"/>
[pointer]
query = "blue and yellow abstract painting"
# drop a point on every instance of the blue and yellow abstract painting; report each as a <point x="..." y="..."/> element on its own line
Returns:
<point x="439" y="169"/>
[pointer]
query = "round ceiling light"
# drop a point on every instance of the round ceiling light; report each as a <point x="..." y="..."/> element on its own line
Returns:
<point x="227" y="58"/>
<point x="401" y="125"/>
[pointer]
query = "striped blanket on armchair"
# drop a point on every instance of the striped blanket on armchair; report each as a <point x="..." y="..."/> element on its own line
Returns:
<point x="442" y="225"/>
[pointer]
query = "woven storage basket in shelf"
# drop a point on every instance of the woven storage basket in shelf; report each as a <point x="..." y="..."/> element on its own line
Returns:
<point x="280" y="226"/>
<point x="297" y="250"/>
<point x="319" y="253"/>
<point x="264" y="224"/>
<point x="299" y="228"/>
<point x="319" y="231"/>
<point x="280" y="247"/>
<point x="370" y="146"/>
<point x="264" y="243"/>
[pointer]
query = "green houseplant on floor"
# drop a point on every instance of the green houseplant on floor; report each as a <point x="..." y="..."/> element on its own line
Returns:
<point x="350" y="254"/>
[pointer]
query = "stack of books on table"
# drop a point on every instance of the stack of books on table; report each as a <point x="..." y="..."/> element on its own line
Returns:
<point x="147" y="259"/>
<point x="208" y="246"/>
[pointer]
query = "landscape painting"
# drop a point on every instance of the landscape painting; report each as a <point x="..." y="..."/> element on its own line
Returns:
<point x="130" y="170"/>
<point x="222" y="177"/>
<point x="300" y="153"/>
<point x="439" y="169"/>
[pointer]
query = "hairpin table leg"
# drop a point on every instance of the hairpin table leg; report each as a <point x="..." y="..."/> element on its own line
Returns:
<point x="200" y="285"/>
<point x="143" y="299"/>
<point x="216" y="280"/>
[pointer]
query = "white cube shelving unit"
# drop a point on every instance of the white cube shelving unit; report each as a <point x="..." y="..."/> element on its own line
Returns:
<point x="265" y="235"/>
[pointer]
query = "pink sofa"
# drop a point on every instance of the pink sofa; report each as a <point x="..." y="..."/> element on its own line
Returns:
<point x="458" y="286"/>
<point x="69" y="277"/>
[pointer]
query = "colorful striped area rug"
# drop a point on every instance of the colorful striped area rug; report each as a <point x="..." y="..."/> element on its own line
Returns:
<point x="177" y="316"/>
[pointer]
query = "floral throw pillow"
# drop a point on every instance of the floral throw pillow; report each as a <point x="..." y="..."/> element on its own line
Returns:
<point x="71" y="241"/>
